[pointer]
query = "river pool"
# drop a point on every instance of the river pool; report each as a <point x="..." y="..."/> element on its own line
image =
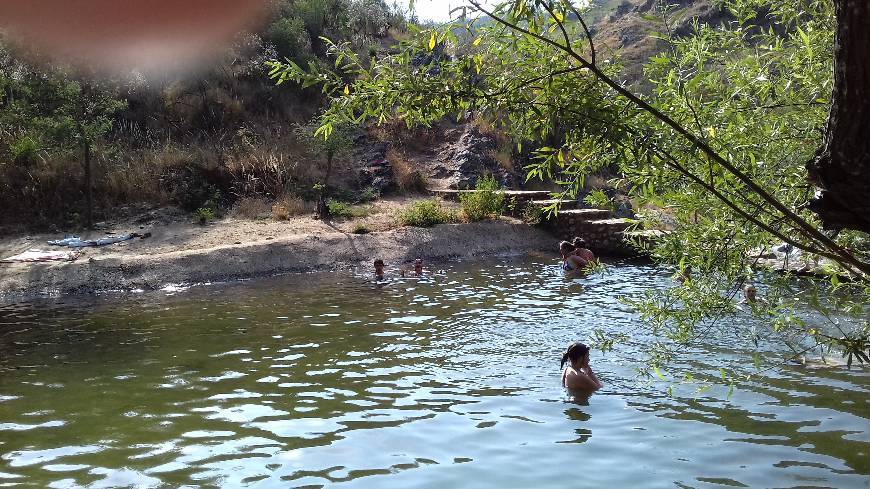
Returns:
<point x="453" y="381"/>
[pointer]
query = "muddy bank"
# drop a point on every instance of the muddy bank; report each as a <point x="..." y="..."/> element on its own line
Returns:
<point x="322" y="251"/>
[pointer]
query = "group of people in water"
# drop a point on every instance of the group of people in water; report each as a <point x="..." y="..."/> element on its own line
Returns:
<point x="578" y="374"/>
<point x="575" y="255"/>
<point x="380" y="274"/>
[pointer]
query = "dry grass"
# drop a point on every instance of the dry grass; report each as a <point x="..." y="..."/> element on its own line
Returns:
<point x="596" y="181"/>
<point x="251" y="208"/>
<point x="396" y="133"/>
<point x="290" y="206"/>
<point x="407" y="178"/>
<point x="504" y="157"/>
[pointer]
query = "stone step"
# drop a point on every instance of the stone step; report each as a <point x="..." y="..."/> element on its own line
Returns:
<point x="651" y="234"/>
<point x="524" y="195"/>
<point x="644" y="238"/>
<point x="563" y="204"/>
<point x="586" y="214"/>
<point x="614" y="225"/>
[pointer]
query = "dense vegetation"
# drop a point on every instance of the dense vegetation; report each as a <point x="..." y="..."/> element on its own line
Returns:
<point x="197" y="143"/>
<point x="718" y="147"/>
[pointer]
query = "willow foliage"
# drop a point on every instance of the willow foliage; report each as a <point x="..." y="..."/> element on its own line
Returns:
<point x="718" y="146"/>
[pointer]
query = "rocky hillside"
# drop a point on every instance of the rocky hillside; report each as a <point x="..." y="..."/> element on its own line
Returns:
<point x="626" y="27"/>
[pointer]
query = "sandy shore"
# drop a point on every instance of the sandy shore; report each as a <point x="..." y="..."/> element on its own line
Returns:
<point x="232" y="249"/>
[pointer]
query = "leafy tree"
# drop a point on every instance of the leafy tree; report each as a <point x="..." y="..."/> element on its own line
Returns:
<point x="336" y="144"/>
<point x="52" y="111"/>
<point x="720" y="144"/>
<point x="85" y="115"/>
<point x="290" y="38"/>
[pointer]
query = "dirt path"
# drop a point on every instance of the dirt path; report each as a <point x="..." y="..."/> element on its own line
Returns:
<point x="231" y="249"/>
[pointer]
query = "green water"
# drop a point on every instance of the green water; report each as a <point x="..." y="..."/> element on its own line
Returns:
<point x="328" y="380"/>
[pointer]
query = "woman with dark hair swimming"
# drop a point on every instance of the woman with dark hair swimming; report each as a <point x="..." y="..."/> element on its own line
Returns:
<point x="578" y="374"/>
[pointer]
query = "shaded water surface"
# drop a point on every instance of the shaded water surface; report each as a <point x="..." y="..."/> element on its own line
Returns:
<point x="322" y="380"/>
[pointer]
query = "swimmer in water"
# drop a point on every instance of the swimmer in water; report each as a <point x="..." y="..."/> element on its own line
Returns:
<point x="570" y="261"/>
<point x="418" y="269"/>
<point x="582" y="251"/>
<point x="750" y="294"/>
<point x="578" y="374"/>
<point x="379" y="269"/>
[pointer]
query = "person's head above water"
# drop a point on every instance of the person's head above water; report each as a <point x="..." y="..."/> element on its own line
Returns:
<point x="418" y="266"/>
<point x="579" y="242"/>
<point x="575" y="354"/>
<point x="749" y="293"/>
<point x="379" y="267"/>
<point x="565" y="248"/>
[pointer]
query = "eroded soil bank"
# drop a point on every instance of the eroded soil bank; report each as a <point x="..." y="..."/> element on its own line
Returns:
<point x="235" y="249"/>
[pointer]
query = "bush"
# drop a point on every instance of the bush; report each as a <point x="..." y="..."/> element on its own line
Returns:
<point x="368" y="195"/>
<point x="205" y="214"/>
<point x="25" y="150"/>
<point x="251" y="208"/>
<point x="191" y="187"/>
<point x="290" y="38"/>
<point x="425" y="213"/>
<point x="361" y="229"/>
<point x="407" y="178"/>
<point x="533" y="214"/>
<point x="288" y="207"/>
<point x="487" y="201"/>
<point x="339" y="209"/>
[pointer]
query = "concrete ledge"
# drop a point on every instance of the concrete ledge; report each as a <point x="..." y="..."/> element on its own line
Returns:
<point x="523" y="195"/>
<point x="297" y="253"/>
<point x="587" y="214"/>
<point x="563" y="204"/>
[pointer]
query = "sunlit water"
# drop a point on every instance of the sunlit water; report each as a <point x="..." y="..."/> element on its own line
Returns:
<point x="322" y="380"/>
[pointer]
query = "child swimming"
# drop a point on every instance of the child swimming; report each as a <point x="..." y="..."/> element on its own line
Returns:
<point x="578" y="374"/>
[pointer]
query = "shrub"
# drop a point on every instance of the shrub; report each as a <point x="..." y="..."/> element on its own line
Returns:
<point x="339" y="209"/>
<point x="288" y="207"/>
<point x="251" y="208"/>
<point x="191" y="187"/>
<point x="290" y="38"/>
<point x="504" y="158"/>
<point x="205" y="214"/>
<point x="533" y="214"/>
<point x="487" y="201"/>
<point x="361" y="229"/>
<point x="25" y="150"/>
<point x="367" y="195"/>
<point x="263" y="172"/>
<point x="407" y="178"/>
<point x="425" y="213"/>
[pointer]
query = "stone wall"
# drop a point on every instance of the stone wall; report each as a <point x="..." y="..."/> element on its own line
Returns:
<point x="603" y="233"/>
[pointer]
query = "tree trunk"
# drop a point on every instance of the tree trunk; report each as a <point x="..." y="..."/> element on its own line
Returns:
<point x="841" y="168"/>
<point x="89" y="189"/>
<point x="322" y="208"/>
<point x="329" y="156"/>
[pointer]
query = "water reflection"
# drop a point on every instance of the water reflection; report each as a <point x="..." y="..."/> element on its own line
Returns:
<point x="439" y="382"/>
